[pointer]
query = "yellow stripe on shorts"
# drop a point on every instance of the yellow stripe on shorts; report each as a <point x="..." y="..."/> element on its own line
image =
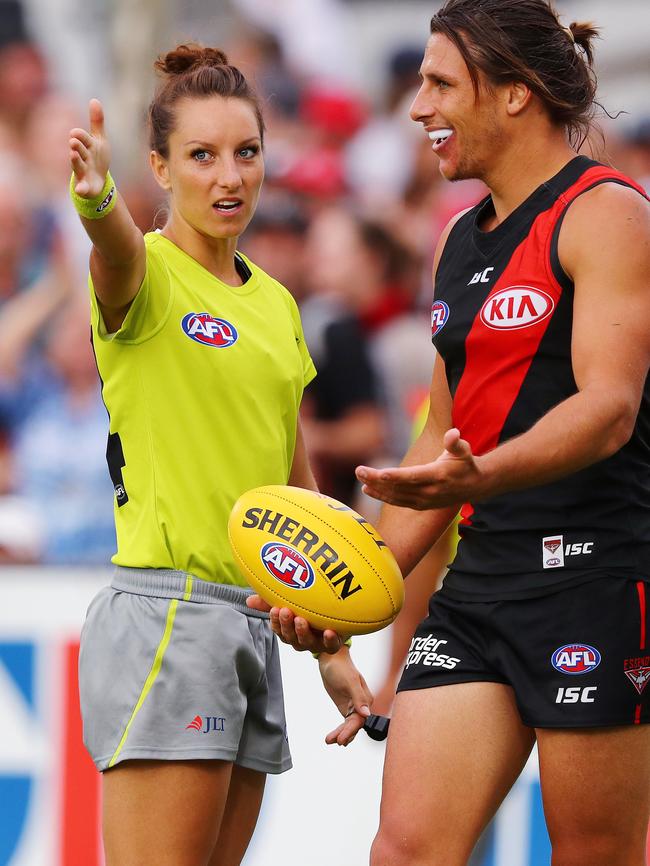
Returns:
<point x="155" y="668"/>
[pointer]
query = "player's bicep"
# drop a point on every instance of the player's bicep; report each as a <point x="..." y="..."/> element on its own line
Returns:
<point x="605" y="248"/>
<point x="116" y="286"/>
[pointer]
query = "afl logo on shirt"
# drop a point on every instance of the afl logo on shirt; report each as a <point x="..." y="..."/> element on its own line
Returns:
<point x="516" y="307"/>
<point x="287" y="565"/>
<point x="208" y="330"/>
<point x="575" y="658"/>
<point x="439" y="316"/>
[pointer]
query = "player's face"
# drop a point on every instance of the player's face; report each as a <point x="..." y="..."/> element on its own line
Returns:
<point x="466" y="131"/>
<point x="215" y="167"/>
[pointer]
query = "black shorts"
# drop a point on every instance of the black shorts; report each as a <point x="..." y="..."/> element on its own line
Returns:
<point x="576" y="658"/>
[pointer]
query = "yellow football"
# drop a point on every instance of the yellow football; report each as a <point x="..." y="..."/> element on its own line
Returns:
<point x="314" y="555"/>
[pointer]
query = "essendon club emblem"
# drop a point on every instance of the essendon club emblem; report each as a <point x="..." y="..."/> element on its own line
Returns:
<point x="553" y="551"/>
<point x="639" y="678"/>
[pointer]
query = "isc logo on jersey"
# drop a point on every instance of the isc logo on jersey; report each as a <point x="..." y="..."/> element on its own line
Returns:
<point x="516" y="307"/>
<point x="575" y="658"/>
<point x="287" y="565"/>
<point x="208" y="330"/>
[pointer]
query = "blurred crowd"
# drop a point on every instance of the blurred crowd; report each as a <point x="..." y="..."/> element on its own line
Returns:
<point x="349" y="217"/>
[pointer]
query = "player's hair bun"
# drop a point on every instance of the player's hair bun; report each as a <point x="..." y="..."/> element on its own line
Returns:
<point x="189" y="56"/>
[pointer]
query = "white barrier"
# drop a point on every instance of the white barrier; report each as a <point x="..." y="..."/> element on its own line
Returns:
<point x="49" y="791"/>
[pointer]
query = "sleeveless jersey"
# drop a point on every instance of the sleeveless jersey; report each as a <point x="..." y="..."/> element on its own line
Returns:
<point x="502" y="320"/>
<point x="202" y="383"/>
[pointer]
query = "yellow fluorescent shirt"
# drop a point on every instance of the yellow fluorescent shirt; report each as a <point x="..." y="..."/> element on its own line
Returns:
<point x="202" y="383"/>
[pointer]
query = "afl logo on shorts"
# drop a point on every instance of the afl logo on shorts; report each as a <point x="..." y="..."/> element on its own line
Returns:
<point x="208" y="330"/>
<point x="439" y="316"/>
<point x="516" y="307"/>
<point x="287" y="565"/>
<point x="575" y="658"/>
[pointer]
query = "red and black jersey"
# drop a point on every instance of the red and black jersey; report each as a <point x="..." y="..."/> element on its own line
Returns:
<point x="502" y="321"/>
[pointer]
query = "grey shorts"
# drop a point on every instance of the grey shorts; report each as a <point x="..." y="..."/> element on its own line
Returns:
<point x="172" y="667"/>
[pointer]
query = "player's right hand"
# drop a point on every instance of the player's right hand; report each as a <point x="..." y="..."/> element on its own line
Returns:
<point x="90" y="153"/>
<point x="295" y="630"/>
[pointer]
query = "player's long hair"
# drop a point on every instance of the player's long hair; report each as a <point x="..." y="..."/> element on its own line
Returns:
<point x="195" y="71"/>
<point x="523" y="40"/>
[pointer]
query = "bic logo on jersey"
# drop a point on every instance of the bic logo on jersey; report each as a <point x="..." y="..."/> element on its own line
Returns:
<point x="575" y="658"/>
<point x="516" y="307"/>
<point x="439" y="316"/>
<point x="208" y="330"/>
<point x="287" y="565"/>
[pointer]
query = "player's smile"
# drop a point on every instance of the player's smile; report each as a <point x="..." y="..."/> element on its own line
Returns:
<point x="459" y="122"/>
<point x="439" y="137"/>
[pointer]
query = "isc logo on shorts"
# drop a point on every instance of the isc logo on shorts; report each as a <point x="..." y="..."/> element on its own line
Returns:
<point x="516" y="307"/>
<point x="208" y="330"/>
<point x="287" y="565"/>
<point x="575" y="658"/>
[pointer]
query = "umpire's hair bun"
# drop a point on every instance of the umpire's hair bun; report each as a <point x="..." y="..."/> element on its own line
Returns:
<point x="189" y="56"/>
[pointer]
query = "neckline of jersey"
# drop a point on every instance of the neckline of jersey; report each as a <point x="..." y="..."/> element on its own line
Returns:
<point x="488" y="241"/>
<point x="246" y="288"/>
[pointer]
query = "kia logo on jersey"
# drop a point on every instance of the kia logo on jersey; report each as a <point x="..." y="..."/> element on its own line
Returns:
<point x="575" y="658"/>
<point x="209" y="330"/>
<point x="287" y="565"/>
<point x="516" y="307"/>
<point x="439" y="316"/>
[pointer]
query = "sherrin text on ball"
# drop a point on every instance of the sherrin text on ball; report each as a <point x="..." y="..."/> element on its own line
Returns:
<point x="308" y="552"/>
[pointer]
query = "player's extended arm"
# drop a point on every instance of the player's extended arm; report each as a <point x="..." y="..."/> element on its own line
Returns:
<point x="409" y="535"/>
<point x="117" y="259"/>
<point x="604" y="247"/>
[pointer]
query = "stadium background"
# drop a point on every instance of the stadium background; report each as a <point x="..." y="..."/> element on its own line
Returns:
<point x="351" y="189"/>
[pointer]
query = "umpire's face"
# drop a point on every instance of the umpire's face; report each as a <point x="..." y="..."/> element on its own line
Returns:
<point x="215" y="166"/>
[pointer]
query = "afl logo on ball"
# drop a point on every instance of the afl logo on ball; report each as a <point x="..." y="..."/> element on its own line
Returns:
<point x="439" y="316"/>
<point x="575" y="658"/>
<point x="516" y="307"/>
<point x="287" y="565"/>
<point x="208" y="330"/>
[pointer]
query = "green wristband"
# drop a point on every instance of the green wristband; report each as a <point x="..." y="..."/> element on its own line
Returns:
<point x="100" y="206"/>
<point x="347" y="643"/>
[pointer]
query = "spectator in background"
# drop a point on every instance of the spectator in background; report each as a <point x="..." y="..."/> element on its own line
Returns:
<point x="52" y="409"/>
<point x="47" y="180"/>
<point x="23" y="82"/>
<point x="637" y="152"/>
<point x="330" y="116"/>
<point x="28" y="239"/>
<point x="276" y="239"/>
<point x="379" y="158"/>
<point x="342" y="411"/>
<point x="369" y="344"/>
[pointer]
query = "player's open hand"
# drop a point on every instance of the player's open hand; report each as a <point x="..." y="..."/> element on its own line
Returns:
<point x="295" y="630"/>
<point x="90" y="153"/>
<point x="454" y="477"/>
<point x="349" y="691"/>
